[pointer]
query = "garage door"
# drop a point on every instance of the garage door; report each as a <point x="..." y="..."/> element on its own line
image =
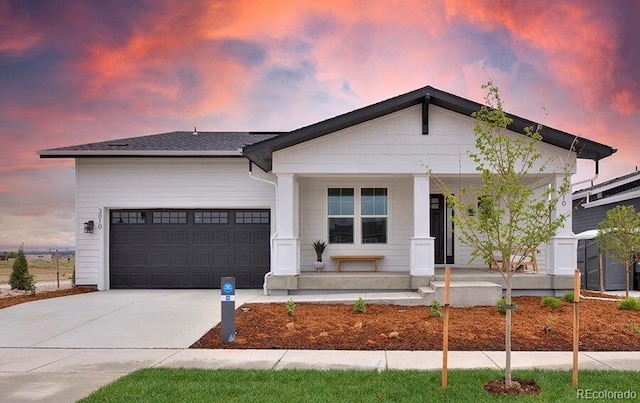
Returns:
<point x="188" y="248"/>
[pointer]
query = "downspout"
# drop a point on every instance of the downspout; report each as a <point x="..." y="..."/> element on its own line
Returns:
<point x="589" y="180"/>
<point x="275" y="233"/>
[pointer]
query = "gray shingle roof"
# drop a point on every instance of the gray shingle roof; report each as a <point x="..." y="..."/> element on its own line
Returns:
<point x="178" y="142"/>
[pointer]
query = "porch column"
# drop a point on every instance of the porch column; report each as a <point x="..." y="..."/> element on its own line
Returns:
<point x="562" y="249"/>
<point x="285" y="256"/>
<point x="422" y="244"/>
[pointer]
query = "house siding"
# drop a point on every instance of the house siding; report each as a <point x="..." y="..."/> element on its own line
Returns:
<point x="120" y="183"/>
<point x="585" y="219"/>
<point x="313" y="222"/>
<point x="394" y="144"/>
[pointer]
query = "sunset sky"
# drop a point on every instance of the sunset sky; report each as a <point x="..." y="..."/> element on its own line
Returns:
<point x="74" y="72"/>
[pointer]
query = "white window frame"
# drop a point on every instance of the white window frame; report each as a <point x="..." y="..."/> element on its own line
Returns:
<point x="357" y="212"/>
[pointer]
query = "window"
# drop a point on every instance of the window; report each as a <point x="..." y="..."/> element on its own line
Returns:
<point x="211" y="217"/>
<point x="252" y="217"/>
<point x="128" y="217"/>
<point x="373" y="214"/>
<point x="369" y="211"/>
<point x="340" y="211"/>
<point x="169" y="217"/>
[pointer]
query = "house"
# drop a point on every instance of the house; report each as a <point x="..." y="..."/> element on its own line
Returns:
<point x="590" y="207"/>
<point x="183" y="209"/>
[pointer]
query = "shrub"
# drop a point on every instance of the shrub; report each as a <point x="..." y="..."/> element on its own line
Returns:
<point x="568" y="296"/>
<point x="551" y="302"/>
<point x="630" y="303"/>
<point x="500" y="305"/>
<point x="20" y="278"/>
<point x="436" y="309"/>
<point x="360" y="306"/>
<point x="291" y="307"/>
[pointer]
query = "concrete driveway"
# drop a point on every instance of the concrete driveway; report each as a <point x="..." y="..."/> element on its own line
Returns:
<point x="115" y="319"/>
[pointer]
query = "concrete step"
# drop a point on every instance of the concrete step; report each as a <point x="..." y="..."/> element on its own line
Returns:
<point x="427" y="292"/>
<point x="468" y="293"/>
<point x="343" y="281"/>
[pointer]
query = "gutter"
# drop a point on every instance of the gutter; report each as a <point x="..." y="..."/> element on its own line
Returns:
<point x="275" y="217"/>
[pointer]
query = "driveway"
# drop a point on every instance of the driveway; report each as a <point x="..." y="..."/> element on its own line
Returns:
<point x="115" y="319"/>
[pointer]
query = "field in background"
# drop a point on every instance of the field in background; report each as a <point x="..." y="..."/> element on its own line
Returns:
<point x="40" y="270"/>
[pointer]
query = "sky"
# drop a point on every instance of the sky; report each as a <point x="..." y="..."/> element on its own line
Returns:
<point x="74" y="72"/>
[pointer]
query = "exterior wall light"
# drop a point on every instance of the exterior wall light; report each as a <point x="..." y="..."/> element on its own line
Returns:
<point x="88" y="227"/>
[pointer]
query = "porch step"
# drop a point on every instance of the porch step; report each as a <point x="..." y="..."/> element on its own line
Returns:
<point x="341" y="282"/>
<point x="464" y="293"/>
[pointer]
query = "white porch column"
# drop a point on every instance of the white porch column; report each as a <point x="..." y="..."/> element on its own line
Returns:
<point x="422" y="244"/>
<point x="285" y="256"/>
<point x="562" y="249"/>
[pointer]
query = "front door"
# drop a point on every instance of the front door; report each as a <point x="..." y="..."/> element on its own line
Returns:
<point x="441" y="229"/>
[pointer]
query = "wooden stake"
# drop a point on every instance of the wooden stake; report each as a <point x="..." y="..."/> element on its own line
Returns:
<point x="445" y="330"/>
<point x="601" y="274"/>
<point x="58" y="268"/>
<point x="576" y="325"/>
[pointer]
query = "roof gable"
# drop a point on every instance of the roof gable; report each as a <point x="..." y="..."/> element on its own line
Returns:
<point x="261" y="153"/>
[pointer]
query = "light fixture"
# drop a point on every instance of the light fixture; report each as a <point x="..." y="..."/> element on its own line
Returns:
<point x="88" y="227"/>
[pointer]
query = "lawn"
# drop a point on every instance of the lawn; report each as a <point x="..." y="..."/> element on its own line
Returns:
<point x="199" y="385"/>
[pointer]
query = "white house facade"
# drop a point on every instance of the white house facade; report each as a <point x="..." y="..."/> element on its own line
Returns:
<point x="183" y="209"/>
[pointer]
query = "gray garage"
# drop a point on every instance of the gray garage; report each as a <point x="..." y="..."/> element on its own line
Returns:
<point x="172" y="248"/>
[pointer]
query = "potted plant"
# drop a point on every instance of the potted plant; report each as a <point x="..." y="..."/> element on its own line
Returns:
<point x="319" y="247"/>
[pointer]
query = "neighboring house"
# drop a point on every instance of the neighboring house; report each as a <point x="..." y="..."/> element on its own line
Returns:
<point x="590" y="207"/>
<point x="592" y="204"/>
<point x="183" y="209"/>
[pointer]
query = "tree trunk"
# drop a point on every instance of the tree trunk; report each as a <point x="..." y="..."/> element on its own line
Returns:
<point x="507" y="334"/>
<point x="626" y="277"/>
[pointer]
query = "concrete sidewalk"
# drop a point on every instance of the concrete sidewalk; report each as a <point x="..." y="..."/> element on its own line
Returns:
<point x="62" y="349"/>
<point x="64" y="375"/>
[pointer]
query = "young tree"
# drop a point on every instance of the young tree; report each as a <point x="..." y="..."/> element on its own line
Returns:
<point x="20" y="278"/>
<point x="513" y="213"/>
<point x="619" y="235"/>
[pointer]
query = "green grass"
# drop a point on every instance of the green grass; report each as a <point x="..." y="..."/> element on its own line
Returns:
<point x="199" y="385"/>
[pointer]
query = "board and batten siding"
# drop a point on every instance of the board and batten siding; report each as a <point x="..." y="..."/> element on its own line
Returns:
<point x="173" y="183"/>
<point x="394" y="144"/>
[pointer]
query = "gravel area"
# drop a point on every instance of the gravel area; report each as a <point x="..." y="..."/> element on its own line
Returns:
<point x="6" y="291"/>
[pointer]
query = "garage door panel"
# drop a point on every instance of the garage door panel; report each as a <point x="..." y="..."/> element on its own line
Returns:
<point x="242" y="259"/>
<point x="201" y="258"/>
<point x="220" y="238"/>
<point x="179" y="279"/>
<point x="243" y="238"/>
<point x="160" y="278"/>
<point x="201" y="238"/>
<point x="179" y="238"/>
<point x="137" y="238"/>
<point x="220" y="259"/>
<point x="179" y="259"/>
<point x="158" y="259"/>
<point x="188" y="248"/>
<point x="137" y="259"/>
<point x="159" y="238"/>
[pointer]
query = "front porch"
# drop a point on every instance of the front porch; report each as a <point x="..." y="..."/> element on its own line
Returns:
<point x="424" y="289"/>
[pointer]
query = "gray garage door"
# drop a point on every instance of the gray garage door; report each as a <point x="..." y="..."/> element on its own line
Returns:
<point x="188" y="248"/>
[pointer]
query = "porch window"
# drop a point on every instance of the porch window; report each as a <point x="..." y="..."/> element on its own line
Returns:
<point x="362" y="211"/>
<point x="373" y="214"/>
<point x="341" y="210"/>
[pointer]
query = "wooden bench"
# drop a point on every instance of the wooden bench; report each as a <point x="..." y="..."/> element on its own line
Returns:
<point x="358" y="258"/>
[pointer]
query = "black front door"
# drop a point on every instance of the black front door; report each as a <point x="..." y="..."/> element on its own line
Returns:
<point x="441" y="229"/>
<point x="437" y="226"/>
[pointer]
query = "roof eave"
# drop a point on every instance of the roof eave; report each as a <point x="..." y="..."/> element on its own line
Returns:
<point x="138" y="153"/>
